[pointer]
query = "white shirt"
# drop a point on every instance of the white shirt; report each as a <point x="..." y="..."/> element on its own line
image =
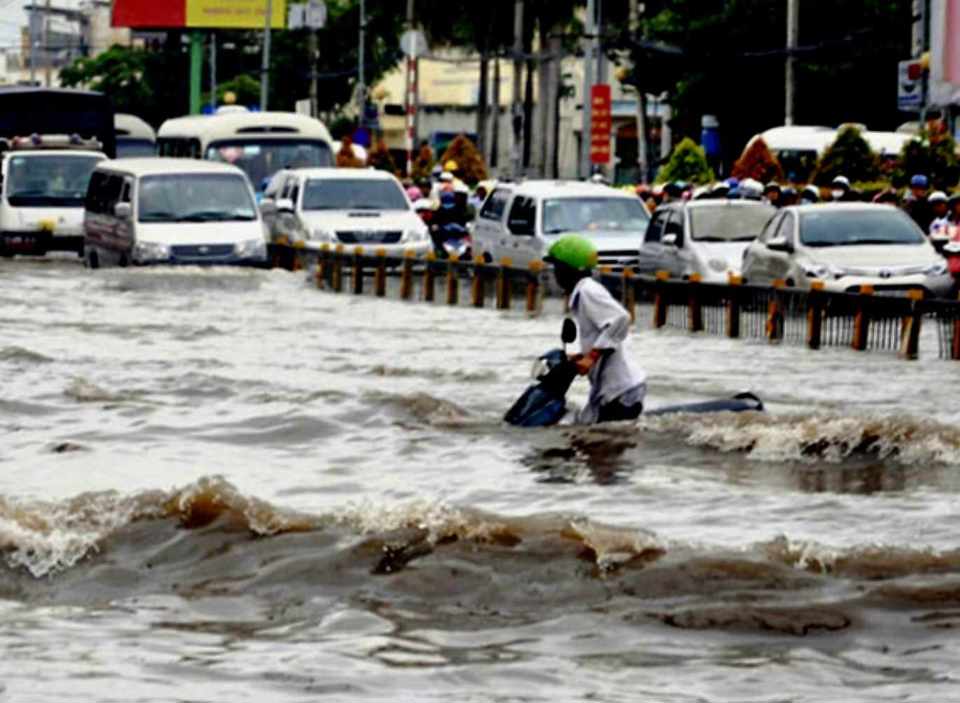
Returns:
<point x="604" y="324"/>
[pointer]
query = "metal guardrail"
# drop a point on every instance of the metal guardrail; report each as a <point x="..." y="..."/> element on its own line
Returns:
<point x="816" y="318"/>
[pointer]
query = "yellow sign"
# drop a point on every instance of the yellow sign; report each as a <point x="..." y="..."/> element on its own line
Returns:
<point x="235" y="14"/>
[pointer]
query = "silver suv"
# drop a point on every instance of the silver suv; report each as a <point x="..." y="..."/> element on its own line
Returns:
<point x="521" y="221"/>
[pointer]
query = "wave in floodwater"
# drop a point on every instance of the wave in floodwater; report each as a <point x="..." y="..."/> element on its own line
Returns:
<point x="817" y="436"/>
<point x="209" y="540"/>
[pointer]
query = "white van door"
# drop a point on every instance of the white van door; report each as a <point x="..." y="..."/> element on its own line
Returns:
<point x="489" y="227"/>
<point x="520" y="243"/>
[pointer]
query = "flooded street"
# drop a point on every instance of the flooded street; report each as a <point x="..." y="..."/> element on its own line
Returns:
<point x="224" y="485"/>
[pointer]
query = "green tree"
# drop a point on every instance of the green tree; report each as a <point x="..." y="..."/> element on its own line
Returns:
<point x="935" y="157"/>
<point x="849" y="156"/>
<point x="688" y="162"/>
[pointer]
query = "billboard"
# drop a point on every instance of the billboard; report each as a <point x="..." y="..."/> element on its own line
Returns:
<point x="199" y="14"/>
<point x="944" y="52"/>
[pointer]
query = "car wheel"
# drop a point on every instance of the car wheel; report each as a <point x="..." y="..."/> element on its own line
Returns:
<point x="91" y="259"/>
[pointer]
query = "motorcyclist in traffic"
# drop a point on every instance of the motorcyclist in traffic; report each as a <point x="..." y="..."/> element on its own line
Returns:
<point x="617" y="386"/>
<point x="916" y="204"/>
<point x="448" y="221"/>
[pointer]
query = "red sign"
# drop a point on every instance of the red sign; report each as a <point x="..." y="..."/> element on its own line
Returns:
<point x="601" y="124"/>
<point x="212" y="14"/>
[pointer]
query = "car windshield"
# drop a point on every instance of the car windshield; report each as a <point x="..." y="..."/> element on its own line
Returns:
<point x="838" y="228"/>
<point x="49" y="180"/>
<point x="729" y="223"/>
<point x="261" y="159"/>
<point x="195" y="197"/>
<point x="596" y="215"/>
<point x="353" y="194"/>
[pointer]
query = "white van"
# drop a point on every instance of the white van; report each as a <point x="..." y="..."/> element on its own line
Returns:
<point x="43" y="180"/>
<point x="171" y="211"/>
<point x="521" y="221"/>
<point x="134" y="137"/>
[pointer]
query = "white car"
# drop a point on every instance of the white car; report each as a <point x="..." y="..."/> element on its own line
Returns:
<point x="846" y="245"/>
<point x="171" y="211"/>
<point x="349" y="206"/>
<point x="521" y="221"/>
<point x="706" y="237"/>
<point x="41" y="198"/>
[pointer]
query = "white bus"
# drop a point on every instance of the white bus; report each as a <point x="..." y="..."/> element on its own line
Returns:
<point x="260" y="143"/>
<point x="134" y="136"/>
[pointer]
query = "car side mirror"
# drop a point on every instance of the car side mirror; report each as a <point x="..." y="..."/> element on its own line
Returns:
<point x="268" y="206"/>
<point x="285" y="205"/>
<point x="670" y="240"/>
<point x="568" y="334"/>
<point x="123" y="211"/>
<point x="780" y="244"/>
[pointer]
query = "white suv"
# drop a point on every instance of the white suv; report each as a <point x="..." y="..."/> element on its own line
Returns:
<point x="349" y="206"/>
<point x="521" y="221"/>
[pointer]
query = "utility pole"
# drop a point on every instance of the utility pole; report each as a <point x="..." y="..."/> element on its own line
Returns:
<point x="589" y="46"/>
<point x="918" y="42"/>
<point x="410" y="94"/>
<point x="265" y="64"/>
<point x="793" y="33"/>
<point x="313" y="51"/>
<point x="517" y="165"/>
<point x="46" y="45"/>
<point x="213" y="71"/>
<point x="643" y="158"/>
<point x="361" y="76"/>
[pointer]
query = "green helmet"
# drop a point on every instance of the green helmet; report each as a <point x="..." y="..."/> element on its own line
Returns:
<point x="574" y="251"/>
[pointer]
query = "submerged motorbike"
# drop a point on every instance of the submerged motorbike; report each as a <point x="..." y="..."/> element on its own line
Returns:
<point x="544" y="402"/>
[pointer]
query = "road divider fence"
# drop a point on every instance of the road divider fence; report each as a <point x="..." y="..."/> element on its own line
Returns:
<point x="868" y="320"/>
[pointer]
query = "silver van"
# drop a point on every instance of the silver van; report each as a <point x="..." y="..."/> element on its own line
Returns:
<point x="171" y="211"/>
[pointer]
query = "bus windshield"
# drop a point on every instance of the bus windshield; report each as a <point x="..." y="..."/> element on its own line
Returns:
<point x="49" y="180"/>
<point x="128" y="147"/>
<point x="260" y="159"/>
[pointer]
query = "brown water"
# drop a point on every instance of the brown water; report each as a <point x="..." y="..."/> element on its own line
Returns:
<point x="223" y="485"/>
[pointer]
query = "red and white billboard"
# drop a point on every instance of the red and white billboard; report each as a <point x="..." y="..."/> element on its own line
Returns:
<point x="944" y="52"/>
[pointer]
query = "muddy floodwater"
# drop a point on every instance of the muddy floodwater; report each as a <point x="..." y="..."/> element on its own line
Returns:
<point x="223" y="485"/>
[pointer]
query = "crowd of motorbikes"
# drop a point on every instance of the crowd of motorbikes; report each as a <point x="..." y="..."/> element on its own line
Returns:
<point x="448" y="223"/>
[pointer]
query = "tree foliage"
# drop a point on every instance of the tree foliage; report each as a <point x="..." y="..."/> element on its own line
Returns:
<point x="471" y="167"/>
<point x="732" y="62"/>
<point x="850" y="155"/>
<point x="935" y="156"/>
<point x="687" y="162"/>
<point x="758" y="162"/>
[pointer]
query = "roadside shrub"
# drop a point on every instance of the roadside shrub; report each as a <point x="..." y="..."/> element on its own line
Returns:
<point x="687" y="162"/>
<point x="850" y="155"/>
<point x="932" y="155"/>
<point x="471" y="168"/>
<point x="758" y="162"/>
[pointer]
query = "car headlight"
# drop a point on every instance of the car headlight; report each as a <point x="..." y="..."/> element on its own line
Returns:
<point x="816" y="271"/>
<point x="415" y="235"/>
<point x="251" y="249"/>
<point x="937" y="269"/>
<point x="718" y="265"/>
<point x="150" y="251"/>
<point x="323" y="236"/>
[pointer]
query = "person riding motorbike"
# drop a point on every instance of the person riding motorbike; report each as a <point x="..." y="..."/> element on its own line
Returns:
<point x="449" y="221"/>
<point x="617" y="387"/>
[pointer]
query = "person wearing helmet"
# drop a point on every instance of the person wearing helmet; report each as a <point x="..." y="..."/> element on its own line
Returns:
<point x="916" y="205"/>
<point x="449" y="217"/>
<point x="772" y="193"/>
<point x="953" y="206"/>
<point x="789" y="196"/>
<point x="751" y="189"/>
<point x="939" y="209"/>
<point x="617" y="386"/>
<point x="809" y="195"/>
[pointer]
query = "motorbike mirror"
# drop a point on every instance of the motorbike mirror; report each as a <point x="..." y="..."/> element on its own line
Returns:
<point x="569" y="332"/>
